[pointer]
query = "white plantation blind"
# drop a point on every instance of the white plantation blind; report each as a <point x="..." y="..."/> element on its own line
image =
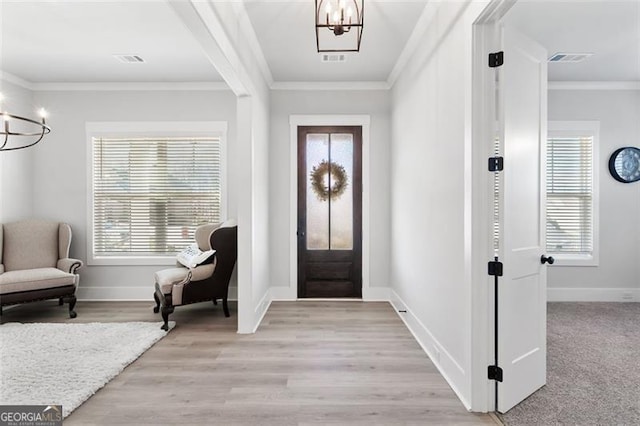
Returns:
<point x="149" y="194"/>
<point x="570" y="195"/>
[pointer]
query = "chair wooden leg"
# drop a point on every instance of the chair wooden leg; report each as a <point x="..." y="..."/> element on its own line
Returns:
<point x="61" y="301"/>
<point x="166" y="311"/>
<point x="156" y="308"/>
<point x="72" y="304"/>
<point x="225" y="307"/>
<point x="215" y="302"/>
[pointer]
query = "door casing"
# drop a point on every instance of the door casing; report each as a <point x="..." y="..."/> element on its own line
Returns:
<point x="486" y="39"/>
<point x="291" y="292"/>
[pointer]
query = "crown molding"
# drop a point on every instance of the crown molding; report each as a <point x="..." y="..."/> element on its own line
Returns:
<point x="14" y="79"/>
<point x="594" y="85"/>
<point x="413" y="42"/>
<point x="113" y="86"/>
<point x="187" y="86"/>
<point x="136" y="86"/>
<point x="330" y="85"/>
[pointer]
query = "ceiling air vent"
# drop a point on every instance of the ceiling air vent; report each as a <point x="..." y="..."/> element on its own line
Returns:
<point x="333" y="57"/>
<point x="129" y="59"/>
<point x="569" y="57"/>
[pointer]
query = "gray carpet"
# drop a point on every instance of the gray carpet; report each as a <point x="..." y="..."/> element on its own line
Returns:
<point x="593" y="368"/>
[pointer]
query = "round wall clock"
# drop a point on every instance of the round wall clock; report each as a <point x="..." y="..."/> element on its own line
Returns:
<point x="624" y="164"/>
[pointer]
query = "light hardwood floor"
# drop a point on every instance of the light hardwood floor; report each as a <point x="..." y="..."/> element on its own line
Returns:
<point x="310" y="362"/>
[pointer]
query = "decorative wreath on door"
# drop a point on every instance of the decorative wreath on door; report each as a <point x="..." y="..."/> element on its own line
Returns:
<point x="339" y="180"/>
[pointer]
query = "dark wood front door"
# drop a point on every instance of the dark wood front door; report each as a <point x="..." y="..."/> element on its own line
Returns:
<point x="329" y="212"/>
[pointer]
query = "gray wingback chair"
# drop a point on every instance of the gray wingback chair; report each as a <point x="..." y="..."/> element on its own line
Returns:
<point x="35" y="263"/>
<point x="208" y="282"/>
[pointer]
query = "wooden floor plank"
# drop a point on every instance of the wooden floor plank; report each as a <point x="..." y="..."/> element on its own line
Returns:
<point x="311" y="362"/>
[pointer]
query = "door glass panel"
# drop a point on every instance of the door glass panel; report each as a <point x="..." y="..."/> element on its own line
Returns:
<point x="317" y="202"/>
<point x="341" y="203"/>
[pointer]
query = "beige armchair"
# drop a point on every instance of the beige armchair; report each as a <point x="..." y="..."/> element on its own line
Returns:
<point x="208" y="282"/>
<point x="35" y="263"/>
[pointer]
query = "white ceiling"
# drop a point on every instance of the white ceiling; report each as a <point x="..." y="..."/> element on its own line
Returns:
<point x="71" y="41"/>
<point x="286" y="34"/>
<point x="610" y="29"/>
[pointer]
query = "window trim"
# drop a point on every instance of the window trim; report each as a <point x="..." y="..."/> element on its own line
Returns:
<point x="119" y="129"/>
<point x="577" y="129"/>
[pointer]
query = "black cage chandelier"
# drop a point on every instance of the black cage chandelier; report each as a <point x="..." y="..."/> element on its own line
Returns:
<point x="339" y="25"/>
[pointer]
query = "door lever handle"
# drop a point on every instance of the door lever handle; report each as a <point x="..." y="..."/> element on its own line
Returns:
<point x="300" y="233"/>
<point x="544" y="259"/>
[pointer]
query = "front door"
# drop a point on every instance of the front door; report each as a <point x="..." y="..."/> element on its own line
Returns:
<point x="329" y="212"/>
<point x="522" y="303"/>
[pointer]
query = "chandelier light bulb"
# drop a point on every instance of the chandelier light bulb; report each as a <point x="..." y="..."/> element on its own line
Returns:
<point x="336" y="16"/>
<point x="43" y="115"/>
<point x="328" y="8"/>
<point x="5" y="126"/>
<point x="349" y="12"/>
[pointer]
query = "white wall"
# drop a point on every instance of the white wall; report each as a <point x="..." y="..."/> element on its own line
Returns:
<point x="260" y="165"/>
<point x="618" y="272"/>
<point x="235" y="59"/>
<point x="60" y="167"/>
<point x="431" y="104"/>
<point x="376" y="104"/>
<point x="16" y="184"/>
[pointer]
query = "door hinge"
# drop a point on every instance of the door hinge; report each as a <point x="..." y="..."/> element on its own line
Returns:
<point x="495" y="373"/>
<point x="496" y="59"/>
<point x="496" y="164"/>
<point x="495" y="268"/>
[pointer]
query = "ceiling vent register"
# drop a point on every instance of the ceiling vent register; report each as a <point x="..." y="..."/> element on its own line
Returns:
<point x="333" y="57"/>
<point x="129" y="59"/>
<point x="569" y="57"/>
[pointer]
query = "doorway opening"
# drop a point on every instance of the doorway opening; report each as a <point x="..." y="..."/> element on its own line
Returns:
<point x="510" y="117"/>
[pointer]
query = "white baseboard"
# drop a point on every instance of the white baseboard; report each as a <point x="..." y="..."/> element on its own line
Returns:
<point x="453" y="373"/>
<point x="371" y="294"/>
<point x="99" y="294"/>
<point x="283" y="293"/>
<point x="233" y="293"/>
<point x="261" y="308"/>
<point x="130" y="294"/>
<point x="593" y="294"/>
<point x="376" y="294"/>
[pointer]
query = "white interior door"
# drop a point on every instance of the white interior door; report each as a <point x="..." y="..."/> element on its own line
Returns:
<point x="522" y="330"/>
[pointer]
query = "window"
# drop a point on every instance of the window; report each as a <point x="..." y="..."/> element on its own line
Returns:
<point x="150" y="191"/>
<point x="572" y="199"/>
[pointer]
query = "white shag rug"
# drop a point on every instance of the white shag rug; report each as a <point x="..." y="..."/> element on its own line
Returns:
<point x="47" y="364"/>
